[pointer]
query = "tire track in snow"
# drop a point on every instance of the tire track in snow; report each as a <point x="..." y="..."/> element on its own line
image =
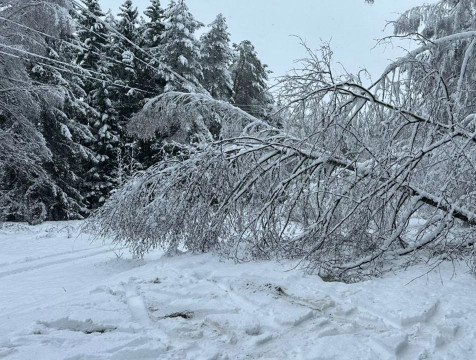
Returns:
<point x="33" y="306"/>
<point x="34" y="259"/>
<point x="51" y="263"/>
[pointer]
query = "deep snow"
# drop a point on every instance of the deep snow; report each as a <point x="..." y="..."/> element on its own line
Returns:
<point x="63" y="297"/>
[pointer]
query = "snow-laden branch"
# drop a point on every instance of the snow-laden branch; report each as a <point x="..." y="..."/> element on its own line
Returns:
<point x="412" y="55"/>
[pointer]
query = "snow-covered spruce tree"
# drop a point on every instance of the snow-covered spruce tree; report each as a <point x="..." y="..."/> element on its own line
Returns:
<point x="128" y="71"/>
<point x="95" y="59"/>
<point x="180" y="50"/>
<point x="155" y="25"/>
<point x="34" y="175"/>
<point x="117" y="100"/>
<point x="250" y="78"/>
<point x="93" y="37"/>
<point x="148" y="151"/>
<point x="152" y="31"/>
<point x="105" y="175"/>
<point x="67" y="131"/>
<point x="217" y="57"/>
<point x="179" y="64"/>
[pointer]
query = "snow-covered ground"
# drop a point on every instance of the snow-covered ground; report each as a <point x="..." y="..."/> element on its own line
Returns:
<point x="62" y="297"/>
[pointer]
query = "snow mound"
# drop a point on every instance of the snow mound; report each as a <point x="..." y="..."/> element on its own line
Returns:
<point x="87" y="326"/>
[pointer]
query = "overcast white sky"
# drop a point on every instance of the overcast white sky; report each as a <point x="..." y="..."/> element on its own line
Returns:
<point x="351" y="25"/>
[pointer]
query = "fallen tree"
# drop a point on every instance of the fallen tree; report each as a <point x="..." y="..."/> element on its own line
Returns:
<point x="357" y="175"/>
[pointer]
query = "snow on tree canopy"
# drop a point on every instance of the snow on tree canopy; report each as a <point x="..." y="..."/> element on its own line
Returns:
<point x="180" y="50"/>
<point x="217" y="57"/>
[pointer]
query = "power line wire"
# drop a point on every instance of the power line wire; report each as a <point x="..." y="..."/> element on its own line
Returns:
<point x="74" y="73"/>
<point x="200" y="87"/>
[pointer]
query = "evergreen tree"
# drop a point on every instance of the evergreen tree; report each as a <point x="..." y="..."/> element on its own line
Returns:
<point x="151" y="33"/>
<point x="217" y="57"/>
<point x="250" y="78"/>
<point x="155" y="26"/>
<point x="149" y="77"/>
<point x="128" y="23"/>
<point x="127" y="70"/>
<point x="131" y="80"/>
<point x="93" y="37"/>
<point x="180" y="50"/>
<point x="96" y="57"/>
<point x="105" y="175"/>
<point x="68" y="135"/>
